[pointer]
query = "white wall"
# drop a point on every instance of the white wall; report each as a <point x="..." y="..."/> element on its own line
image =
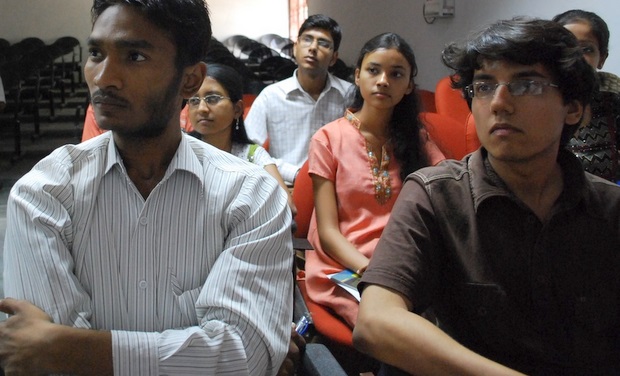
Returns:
<point x="45" y="19"/>
<point x="363" y="19"/>
<point x="360" y="20"/>
<point x="251" y="18"/>
<point x="51" y="19"/>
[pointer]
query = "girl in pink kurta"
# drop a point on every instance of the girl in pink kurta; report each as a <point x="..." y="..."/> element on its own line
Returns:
<point x="358" y="163"/>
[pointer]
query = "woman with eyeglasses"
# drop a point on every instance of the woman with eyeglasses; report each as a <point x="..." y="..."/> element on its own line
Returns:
<point x="597" y="140"/>
<point x="216" y="115"/>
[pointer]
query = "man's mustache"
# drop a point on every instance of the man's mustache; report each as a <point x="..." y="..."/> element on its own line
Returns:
<point x="107" y="97"/>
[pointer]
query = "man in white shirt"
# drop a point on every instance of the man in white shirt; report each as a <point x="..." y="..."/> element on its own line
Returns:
<point x="144" y="251"/>
<point x="289" y="112"/>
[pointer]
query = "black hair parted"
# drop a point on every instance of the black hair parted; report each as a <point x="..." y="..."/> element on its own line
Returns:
<point x="597" y="25"/>
<point x="185" y="21"/>
<point x="231" y="81"/>
<point x="404" y="127"/>
<point x="321" y="21"/>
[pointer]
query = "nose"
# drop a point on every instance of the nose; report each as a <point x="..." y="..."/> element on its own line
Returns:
<point x="314" y="45"/>
<point x="383" y="79"/>
<point x="202" y="106"/>
<point x="106" y="74"/>
<point x="501" y="99"/>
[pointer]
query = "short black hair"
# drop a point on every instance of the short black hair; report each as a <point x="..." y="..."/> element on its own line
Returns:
<point x="185" y="21"/>
<point x="526" y="41"/>
<point x="597" y="24"/>
<point x="320" y="21"/>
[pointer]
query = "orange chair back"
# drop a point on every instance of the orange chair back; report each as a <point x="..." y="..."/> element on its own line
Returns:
<point x="427" y="100"/>
<point x="448" y="133"/>
<point x="303" y="197"/>
<point x="248" y="99"/>
<point x="471" y="137"/>
<point x="450" y="102"/>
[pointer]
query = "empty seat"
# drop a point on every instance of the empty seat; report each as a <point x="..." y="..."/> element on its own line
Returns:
<point x="449" y="101"/>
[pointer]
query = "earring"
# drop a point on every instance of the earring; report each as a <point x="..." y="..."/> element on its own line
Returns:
<point x="237" y="125"/>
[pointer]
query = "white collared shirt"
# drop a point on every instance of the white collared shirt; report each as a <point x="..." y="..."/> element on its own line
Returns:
<point x="196" y="279"/>
<point x="288" y="116"/>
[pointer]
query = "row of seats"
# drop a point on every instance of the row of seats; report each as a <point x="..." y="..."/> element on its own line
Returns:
<point x="270" y="57"/>
<point x="32" y="71"/>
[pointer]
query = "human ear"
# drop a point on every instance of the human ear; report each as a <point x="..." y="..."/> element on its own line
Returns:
<point x="193" y="76"/>
<point x="238" y="108"/>
<point x="601" y="61"/>
<point x="410" y="87"/>
<point x="575" y="113"/>
<point x="334" y="59"/>
<point x="357" y="76"/>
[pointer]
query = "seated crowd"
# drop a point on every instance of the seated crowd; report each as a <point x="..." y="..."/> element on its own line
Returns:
<point x="162" y="243"/>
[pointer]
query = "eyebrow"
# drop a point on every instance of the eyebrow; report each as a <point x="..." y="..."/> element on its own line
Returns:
<point x="523" y="74"/>
<point x="123" y="43"/>
<point x="373" y="64"/>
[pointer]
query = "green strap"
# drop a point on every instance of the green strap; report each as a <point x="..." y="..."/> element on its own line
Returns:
<point x="253" y="148"/>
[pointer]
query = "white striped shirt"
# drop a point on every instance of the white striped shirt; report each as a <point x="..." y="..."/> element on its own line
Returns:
<point x="196" y="279"/>
<point x="288" y="116"/>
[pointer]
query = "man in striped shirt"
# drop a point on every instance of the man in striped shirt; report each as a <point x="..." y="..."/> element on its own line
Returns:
<point x="144" y="251"/>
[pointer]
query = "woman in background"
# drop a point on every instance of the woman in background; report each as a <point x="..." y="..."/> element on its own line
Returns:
<point x="216" y="116"/>
<point x="358" y="163"/>
<point x="597" y="140"/>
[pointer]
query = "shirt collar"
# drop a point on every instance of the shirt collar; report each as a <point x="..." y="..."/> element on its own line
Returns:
<point x="485" y="183"/>
<point x="292" y="84"/>
<point x="186" y="158"/>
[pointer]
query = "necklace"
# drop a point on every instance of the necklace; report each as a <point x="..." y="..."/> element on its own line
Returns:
<point x="378" y="171"/>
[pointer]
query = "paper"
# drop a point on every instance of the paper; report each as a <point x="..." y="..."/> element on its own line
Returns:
<point x="348" y="281"/>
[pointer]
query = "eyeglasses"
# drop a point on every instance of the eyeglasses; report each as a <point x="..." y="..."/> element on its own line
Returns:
<point x="210" y="100"/>
<point x="517" y="88"/>
<point x="308" y="40"/>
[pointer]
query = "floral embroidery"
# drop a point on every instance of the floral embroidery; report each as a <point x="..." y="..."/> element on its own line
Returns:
<point x="379" y="171"/>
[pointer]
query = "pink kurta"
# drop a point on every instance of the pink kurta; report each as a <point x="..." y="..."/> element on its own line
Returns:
<point x="338" y="153"/>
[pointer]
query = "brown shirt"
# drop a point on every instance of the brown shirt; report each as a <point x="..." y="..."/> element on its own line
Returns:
<point x="543" y="298"/>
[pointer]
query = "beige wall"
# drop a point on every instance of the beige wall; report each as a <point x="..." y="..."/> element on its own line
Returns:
<point x="363" y="19"/>
<point x="360" y="20"/>
<point x="50" y="19"/>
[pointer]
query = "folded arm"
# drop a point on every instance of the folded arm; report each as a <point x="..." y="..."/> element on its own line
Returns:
<point x="389" y="332"/>
<point x="242" y="311"/>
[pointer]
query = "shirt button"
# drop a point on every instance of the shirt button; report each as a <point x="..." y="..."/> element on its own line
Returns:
<point x="142" y="285"/>
<point x="143" y="221"/>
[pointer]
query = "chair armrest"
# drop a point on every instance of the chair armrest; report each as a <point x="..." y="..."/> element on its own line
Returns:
<point x="317" y="360"/>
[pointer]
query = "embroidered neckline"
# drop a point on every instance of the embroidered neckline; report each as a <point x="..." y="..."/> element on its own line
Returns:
<point x="379" y="171"/>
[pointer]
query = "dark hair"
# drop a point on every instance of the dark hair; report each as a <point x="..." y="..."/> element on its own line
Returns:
<point x="230" y="80"/>
<point x="185" y="21"/>
<point x="404" y="127"/>
<point x="320" y="21"/>
<point x="526" y="41"/>
<point x="597" y="24"/>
